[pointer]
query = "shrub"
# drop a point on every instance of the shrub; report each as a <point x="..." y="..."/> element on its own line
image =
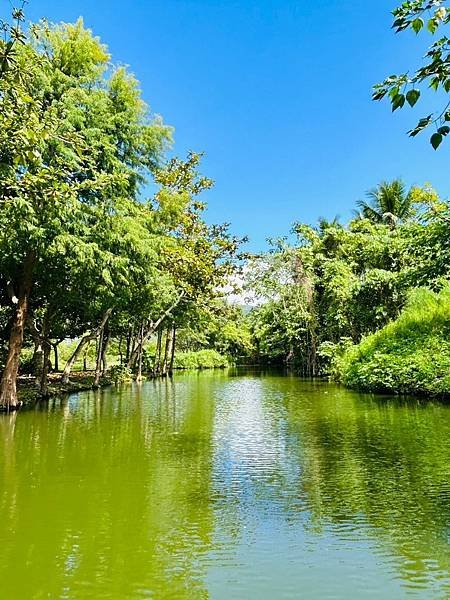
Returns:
<point x="120" y="374"/>
<point x="202" y="359"/>
<point x="27" y="361"/>
<point x="410" y="355"/>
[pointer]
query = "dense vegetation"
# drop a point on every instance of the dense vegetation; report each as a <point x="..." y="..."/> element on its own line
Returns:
<point x="84" y="255"/>
<point x="335" y="285"/>
<point x="95" y="275"/>
<point x="333" y="301"/>
<point x="409" y="355"/>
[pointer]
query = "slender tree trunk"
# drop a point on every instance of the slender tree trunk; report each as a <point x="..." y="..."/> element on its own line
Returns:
<point x="104" y="365"/>
<point x="73" y="359"/>
<point x="129" y="340"/>
<point x="85" y="358"/>
<point x="167" y="350"/>
<point x="98" y="364"/>
<point x="172" y="356"/>
<point x="163" y="369"/>
<point x="120" y="350"/>
<point x="152" y="328"/>
<point x="157" y="364"/>
<point x="43" y="387"/>
<point x="141" y="349"/>
<point x="38" y="360"/>
<point x="46" y="347"/>
<point x="82" y="343"/>
<point x="8" y="385"/>
<point x="56" y="356"/>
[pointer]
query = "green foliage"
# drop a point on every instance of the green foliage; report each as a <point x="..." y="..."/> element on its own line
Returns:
<point x="78" y="240"/>
<point x="434" y="74"/>
<point x="201" y="359"/>
<point x="120" y="374"/>
<point x="409" y="355"/>
<point x="338" y="283"/>
<point x="388" y="203"/>
<point x="27" y="361"/>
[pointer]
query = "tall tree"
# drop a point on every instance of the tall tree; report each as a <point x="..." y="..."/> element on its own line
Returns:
<point x="76" y="144"/>
<point x="388" y="203"/>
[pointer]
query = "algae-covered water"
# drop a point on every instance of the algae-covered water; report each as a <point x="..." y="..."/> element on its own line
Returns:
<point x="226" y="485"/>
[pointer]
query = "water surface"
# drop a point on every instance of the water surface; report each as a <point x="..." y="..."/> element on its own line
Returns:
<point x="226" y="485"/>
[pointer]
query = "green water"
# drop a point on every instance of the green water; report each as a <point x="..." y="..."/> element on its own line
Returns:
<point x="226" y="485"/>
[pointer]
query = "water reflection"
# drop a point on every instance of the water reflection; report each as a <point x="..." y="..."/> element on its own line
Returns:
<point x="226" y="486"/>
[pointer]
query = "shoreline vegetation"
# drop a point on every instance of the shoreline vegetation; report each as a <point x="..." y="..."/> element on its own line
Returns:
<point x="29" y="393"/>
<point x="84" y="254"/>
<point x="410" y="355"/>
<point x="97" y="277"/>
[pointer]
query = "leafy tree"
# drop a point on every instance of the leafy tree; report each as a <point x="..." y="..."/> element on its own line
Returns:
<point x="388" y="203"/>
<point x="12" y="35"/>
<point x="75" y="145"/>
<point x="407" y="88"/>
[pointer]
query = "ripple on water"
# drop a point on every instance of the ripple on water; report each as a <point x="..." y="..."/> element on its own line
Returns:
<point x="215" y="486"/>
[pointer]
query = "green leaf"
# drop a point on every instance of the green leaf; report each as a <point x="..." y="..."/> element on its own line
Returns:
<point x="435" y="83"/>
<point x="398" y="101"/>
<point x="436" y="140"/>
<point x="417" y="25"/>
<point x="412" y="96"/>
<point x="444" y="130"/>
<point x="432" y="26"/>
<point x="379" y="94"/>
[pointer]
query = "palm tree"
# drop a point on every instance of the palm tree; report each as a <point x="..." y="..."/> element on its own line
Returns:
<point x="387" y="203"/>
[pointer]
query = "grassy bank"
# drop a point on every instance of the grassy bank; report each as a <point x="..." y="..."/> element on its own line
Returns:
<point x="202" y="359"/>
<point x="411" y="355"/>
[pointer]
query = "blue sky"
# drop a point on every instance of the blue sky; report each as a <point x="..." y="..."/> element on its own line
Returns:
<point x="276" y="93"/>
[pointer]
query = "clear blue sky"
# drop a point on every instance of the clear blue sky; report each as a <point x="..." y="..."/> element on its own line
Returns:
<point x="277" y="93"/>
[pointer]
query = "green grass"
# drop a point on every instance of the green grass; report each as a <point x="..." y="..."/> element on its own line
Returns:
<point x="411" y="355"/>
<point x="202" y="359"/>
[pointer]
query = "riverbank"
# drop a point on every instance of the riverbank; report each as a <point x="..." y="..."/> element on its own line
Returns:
<point x="410" y="355"/>
<point x="29" y="394"/>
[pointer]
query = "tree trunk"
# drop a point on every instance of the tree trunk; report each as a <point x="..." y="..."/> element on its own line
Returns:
<point x="46" y="348"/>
<point x="157" y="363"/>
<point x="167" y="351"/>
<point x="141" y="349"/>
<point x="172" y="355"/>
<point x="73" y="359"/>
<point x="38" y="360"/>
<point x="43" y="387"/>
<point x="85" y="358"/>
<point x="104" y="365"/>
<point x="119" y="349"/>
<point x="151" y="330"/>
<point x="129" y="340"/>
<point x="8" y="385"/>
<point x="84" y="340"/>
<point x="98" y="364"/>
<point x="56" y="357"/>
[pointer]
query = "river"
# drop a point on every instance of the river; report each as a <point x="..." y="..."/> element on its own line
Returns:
<point x="226" y="485"/>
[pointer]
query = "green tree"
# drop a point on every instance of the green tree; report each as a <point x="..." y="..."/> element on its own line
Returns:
<point x="388" y="203"/>
<point x="75" y="143"/>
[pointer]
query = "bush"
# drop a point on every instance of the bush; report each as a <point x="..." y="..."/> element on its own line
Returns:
<point x="27" y="361"/>
<point x="202" y="359"/>
<point x="120" y="374"/>
<point x="410" y="355"/>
